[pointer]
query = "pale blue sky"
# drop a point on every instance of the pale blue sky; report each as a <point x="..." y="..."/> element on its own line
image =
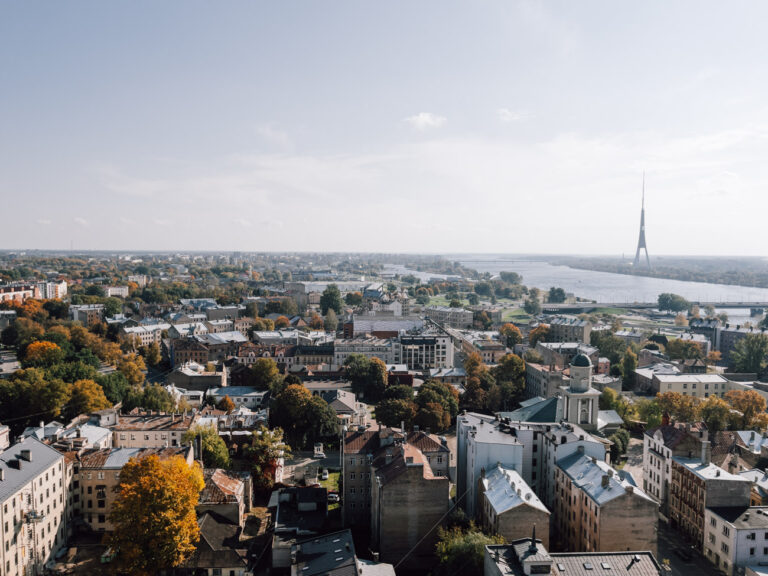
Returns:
<point x="384" y="126"/>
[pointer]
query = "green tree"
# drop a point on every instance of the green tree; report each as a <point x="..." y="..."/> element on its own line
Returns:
<point x="532" y="306"/>
<point x="265" y="373"/>
<point x="538" y="334"/>
<point x="331" y="300"/>
<point x="368" y="376"/>
<point x="556" y="295"/>
<point x="672" y="302"/>
<point x="473" y="299"/>
<point x="462" y="551"/>
<point x="750" y="352"/>
<point x="393" y="411"/>
<point x="331" y="321"/>
<point x="215" y="453"/>
<point x="28" y="396"/>
<point x="154" y="513"/>
<point x="399" y="392"/>
<point x="628" y="367"/>
<point x="677" y="348"/>
<point x="265" y="451"/>
<point x="353" y="298"/>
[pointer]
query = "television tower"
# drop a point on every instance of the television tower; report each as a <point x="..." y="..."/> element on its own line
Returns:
<point x="641" y="240"/>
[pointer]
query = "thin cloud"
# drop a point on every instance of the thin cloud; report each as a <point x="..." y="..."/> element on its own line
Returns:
<point x="163" y="222"/>
<point x="508" y="116"/>
<point x="243" y="222"/>
<point x="425" y="121"/>
<point x="44" y="222"/>
<point x="81" y="222"/>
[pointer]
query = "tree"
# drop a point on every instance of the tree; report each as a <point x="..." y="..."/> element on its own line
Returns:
<point x="715" y="412"/>
<point x="672" y="302"/>
<point x="444" y="395"/>
<point x="511" y="334"/>
<point x="749" y="353"/>
<point x="331" y="321"/>
<point x="678" y="348"/>
<point x="475" y="394"/>
<point x="533" y="357"/>
<point x="462" y="551"/>
<point x="538" y="334"/>
<point x="511" y="277"/>
<point x="681" y="320"/>
<point x="473" y="299"/>
<point x="648" y="411"/>
<point x="304" y="417"/>
<point x="610" y="345"/>
<point x="265" y="451"/>
<point x="316" y="322"/>
<point x="43" y="354"/>
<point x="282" y="322"/>
<point x="556" y="295"/>
<point x="132" y="367"/>
<point x="628" y="366"/>
<point x="399" y="392"/>
<point x="151" y="397"/>
<point x="85" y="396"/>
<point x="331" y="300"/>
<point x="680" y="407"/>
<point x="353" y="298"/>
<point x="749" y="403"/>
<point x="394" y="411"/>
<point x="509" y="375"/>
<point x="151" y="354"/>
<point x="713" y="358"/>
<point x="368" y="376"/>
<point x="154" y="513"/>
<point x="29" y="396"/>
<point x="215" y="453"/>
<point x="226" y="404"/>
<point x="265" y="373"/>
<point x="532" y="306"/>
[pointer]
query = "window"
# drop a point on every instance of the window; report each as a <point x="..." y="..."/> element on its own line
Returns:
<point x="724" y="548"/>
<point x="726" y="531"/>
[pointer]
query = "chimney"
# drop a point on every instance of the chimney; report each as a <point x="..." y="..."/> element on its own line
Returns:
<point x="42" y="423"/>
<point x="2" y="474"/>
<point x="580" y="449"/>
<point x="606" y="481"/>
<point x="665" y="419"/>
<point x="706" y="453"/>
<point x="415" y="428"/>
<point x="26" y="455"/>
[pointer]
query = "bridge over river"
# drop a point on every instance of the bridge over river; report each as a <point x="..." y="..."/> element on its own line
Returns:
<point x="578" y="307"/>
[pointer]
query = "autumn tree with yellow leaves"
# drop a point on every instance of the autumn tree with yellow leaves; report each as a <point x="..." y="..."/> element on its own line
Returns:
<point x="154" y="514"/>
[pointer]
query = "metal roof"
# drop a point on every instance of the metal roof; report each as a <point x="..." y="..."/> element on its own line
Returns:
<point x="41" y="457"/>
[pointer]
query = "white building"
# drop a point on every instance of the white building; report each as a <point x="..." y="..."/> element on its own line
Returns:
<point x="116" y="291"/>
<point x="52" y="290"/>
<point x="241" y="395"/>
<point x="33" y="520"/>
<point x="736" y="537"/>
<point x="148" y="333"/>
<point x="699" y="385"/>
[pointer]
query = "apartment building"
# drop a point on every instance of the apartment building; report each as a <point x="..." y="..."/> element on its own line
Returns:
<point x="509" y="507"/>
<point x="116" y="291"/>
<point x="728" y="336"/>
<point x="147" y="333"/>
<point x="408" y="498"/>
<point x="663" y="443"/>
<point x="18" y="292"/>
<point x="543" y="381"/>
<point x="452" y="317"/>
<point x="86" y="314"/>
<point x="385" y="349"/>
<point x="247" y="396"/>
<point x="152" y="429"/>
<point x="737" y="536"/>
<point x="699" y="385"/>
<point x="97" y="475"/>
<point x="52" y="290"/>
<point x="426" y="351"/>
<point x="33" y="519"/>
<point x="600" y="509"/>
<point x="696" y="485"/>
<point x="561" y="354"/>
<point x="568" y="329"/>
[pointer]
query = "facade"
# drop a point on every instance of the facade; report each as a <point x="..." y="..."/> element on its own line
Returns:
<point x="18" y="292"/>
<point x="426" y="351"/>
<point x="508" y="506"/>
<point x="452" y="317"/>
<point x="52" y="290"/>
<point x="194" y="376"/>
<point x="33" y="515"/>
<point x="147" y="333"/>
<point x="700" y="385"/>
<point x="728" y="336"/>
<point x="87" y="314"/>
<point x="737" y="536"/>
<point x="560" y="354"/>
<point x="660" y="445"/>
<point x="116" y="291"/>
<point x="242" y="396"/>
<point x="385" y="349"/>
<point x="543" y="381"/>
<point x="151" y="430"/>
<point x="408" y="498"/>
<point x="698" y="485"/>
<point x="565" y="329"/>
<point x="599" y="510"/>
<point x="97" y="475"/>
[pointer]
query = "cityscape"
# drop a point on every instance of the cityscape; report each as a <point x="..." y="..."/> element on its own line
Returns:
<point x="383" y="289"/>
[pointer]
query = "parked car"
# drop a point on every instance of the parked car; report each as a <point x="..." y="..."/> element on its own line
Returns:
<point x="324" y="475"/>
<point x="333" y="497"/>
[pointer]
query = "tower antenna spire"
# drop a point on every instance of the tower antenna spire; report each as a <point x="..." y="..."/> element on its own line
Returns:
<point x="641" y="241"/>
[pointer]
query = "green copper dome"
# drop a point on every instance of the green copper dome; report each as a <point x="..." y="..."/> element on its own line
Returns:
<point x="581" y="360"/>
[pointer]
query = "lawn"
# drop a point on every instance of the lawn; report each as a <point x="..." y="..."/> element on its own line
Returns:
<point x="331" y="484"/>
<point x="615" y="311"/>
<point x="517" y="315"/>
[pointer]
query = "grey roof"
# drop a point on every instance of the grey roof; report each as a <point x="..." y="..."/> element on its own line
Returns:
<point x="505" y="489"/>
<point x="743" y="517"/>
<point x="608" y="417"/>
<point x="587" y="473"/>
<point x="541" y="411"/>
<point x="328" y="555"/>
<point x="581" y="360"/>
<point x="708" y="472"/>
<point x="42" y="457"/>
<point x="236" y="391"/>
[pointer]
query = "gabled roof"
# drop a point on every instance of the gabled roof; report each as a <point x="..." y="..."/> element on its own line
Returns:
<point x="219" y="545"/>
<point x="221" y="487"/>
<point x="505" y="490"/>
<point x="328" y="555"/>
<point x="41" y="457"/>
<point x="541" y="411"/>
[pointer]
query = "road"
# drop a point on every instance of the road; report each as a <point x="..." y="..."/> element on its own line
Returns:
<point x="669" y="541"/>
<point x="302" y="461"/>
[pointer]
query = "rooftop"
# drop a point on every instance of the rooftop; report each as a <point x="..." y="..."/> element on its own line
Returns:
<point x="505" y="489"/>
<point x="707" y="472"/>
<point x="744" y="517"/>
<point x="18" y="470"/>
<point x="328" y="555"/>
<point x="589" y="474"/>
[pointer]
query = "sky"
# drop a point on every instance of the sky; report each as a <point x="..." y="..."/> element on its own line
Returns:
<point x="399" y="126"/>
